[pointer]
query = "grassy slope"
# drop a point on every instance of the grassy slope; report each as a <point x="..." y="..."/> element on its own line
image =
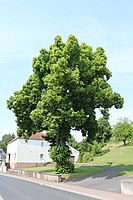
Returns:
<point x="118" y="155"/>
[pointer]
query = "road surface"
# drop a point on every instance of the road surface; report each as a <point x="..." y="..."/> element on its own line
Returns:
<point x="106" y="180"/>
<point x="14" y="189"/>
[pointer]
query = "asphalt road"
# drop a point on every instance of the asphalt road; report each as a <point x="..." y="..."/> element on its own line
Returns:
<point x="14" y="189"/>
<point x="106" y="181"/>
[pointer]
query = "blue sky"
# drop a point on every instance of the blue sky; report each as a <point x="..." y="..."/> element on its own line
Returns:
<point x="28" y="26"/>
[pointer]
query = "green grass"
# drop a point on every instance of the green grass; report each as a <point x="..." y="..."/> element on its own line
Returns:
<point x="43" y="169"/>
<point x="126" y="172"/>
<point x="80" y="171"/>
<point x="119" y="155"/>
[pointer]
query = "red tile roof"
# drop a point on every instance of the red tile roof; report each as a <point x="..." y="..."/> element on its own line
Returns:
<point x="35" y="136"/>
<point x="38" y="136"/>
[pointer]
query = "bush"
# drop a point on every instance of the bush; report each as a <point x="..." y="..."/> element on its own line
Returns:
<point x="80" y="157"/>
<point x="96" y="148"/>
<point x="61" y="155"/>
<point x="64" y="169"/>
<point x="87" y="157"/>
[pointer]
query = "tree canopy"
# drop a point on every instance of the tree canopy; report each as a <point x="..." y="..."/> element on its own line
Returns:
<point x="69" y="83"/>
<point x="123" y="131"/>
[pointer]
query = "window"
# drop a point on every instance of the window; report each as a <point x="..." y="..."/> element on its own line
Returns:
<point x="41" y="144"/>
<point x="41" y="156"/>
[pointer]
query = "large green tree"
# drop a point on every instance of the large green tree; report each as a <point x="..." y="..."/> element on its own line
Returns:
<point x="69" y="82"/>
<point x="123" y="131"/>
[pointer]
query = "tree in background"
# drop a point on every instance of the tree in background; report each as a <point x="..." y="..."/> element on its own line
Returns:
<point x="88" y="150"/>
<point x="123" y="131"/>
<point x="69" y="82"/>
<point x="84" y="148"/>
<point x="104" y="130"/>
<point x="72" y="142"/>
<point x="5" y="140"/>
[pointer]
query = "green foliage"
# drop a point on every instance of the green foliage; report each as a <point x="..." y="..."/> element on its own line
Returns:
<point x="123" y="131"/>
<point x="84" y="146"/>
<point x="80" y="157"/>
<point x="58" y="153"/>
<point x="64" y="168"/>
<point x="87" y="157"/>
<point x="61" y="155"/>
<point x="104" y="131"/>
<point x="89" y="150"/>
<point x="5" y="140"/>
<point x="96" y="148"/>
<point x="72" y="142"/>
<point x="69" y="82"/>
<point x="22" y="104"/>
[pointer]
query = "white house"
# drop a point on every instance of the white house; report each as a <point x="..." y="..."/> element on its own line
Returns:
<point x="32" y="153"/>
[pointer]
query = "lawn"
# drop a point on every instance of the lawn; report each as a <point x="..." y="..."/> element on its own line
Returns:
<point x="80" y="171"/>
<point x="44" y="169"/>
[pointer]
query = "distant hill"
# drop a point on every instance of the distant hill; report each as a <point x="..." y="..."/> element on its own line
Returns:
<point x="118" y="155"/>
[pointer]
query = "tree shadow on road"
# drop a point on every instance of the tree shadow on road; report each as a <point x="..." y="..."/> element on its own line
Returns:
<point x="108" y="172"/>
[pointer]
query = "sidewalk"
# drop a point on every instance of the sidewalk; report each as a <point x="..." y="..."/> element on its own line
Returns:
<point x="99" y="194"/>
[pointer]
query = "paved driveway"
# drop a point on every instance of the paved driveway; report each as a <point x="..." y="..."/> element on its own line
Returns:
<point x="106" y="180"/>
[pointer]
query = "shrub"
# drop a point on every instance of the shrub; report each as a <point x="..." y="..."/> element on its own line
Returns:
<point x="80" y="157"/>
<point x="64" y="169"/>
<point x="87" y="157"/>
<point x="61" y="155"/>
<point x="96" y="148"/>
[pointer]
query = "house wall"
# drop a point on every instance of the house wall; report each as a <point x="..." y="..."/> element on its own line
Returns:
<point x="12" y="153"/>
<point x="35" y="151"/>
<point x="28" y="154"/>
<point x="32" y="153"/>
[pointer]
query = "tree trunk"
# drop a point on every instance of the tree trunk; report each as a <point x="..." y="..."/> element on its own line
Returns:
<point x="124" y="141"/>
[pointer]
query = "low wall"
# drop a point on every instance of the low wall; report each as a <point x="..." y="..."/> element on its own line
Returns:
<point x="41" y="176"/>
<point x="127" y="186"/>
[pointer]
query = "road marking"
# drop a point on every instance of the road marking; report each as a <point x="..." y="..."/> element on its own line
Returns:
<point x="1" y="198"/>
